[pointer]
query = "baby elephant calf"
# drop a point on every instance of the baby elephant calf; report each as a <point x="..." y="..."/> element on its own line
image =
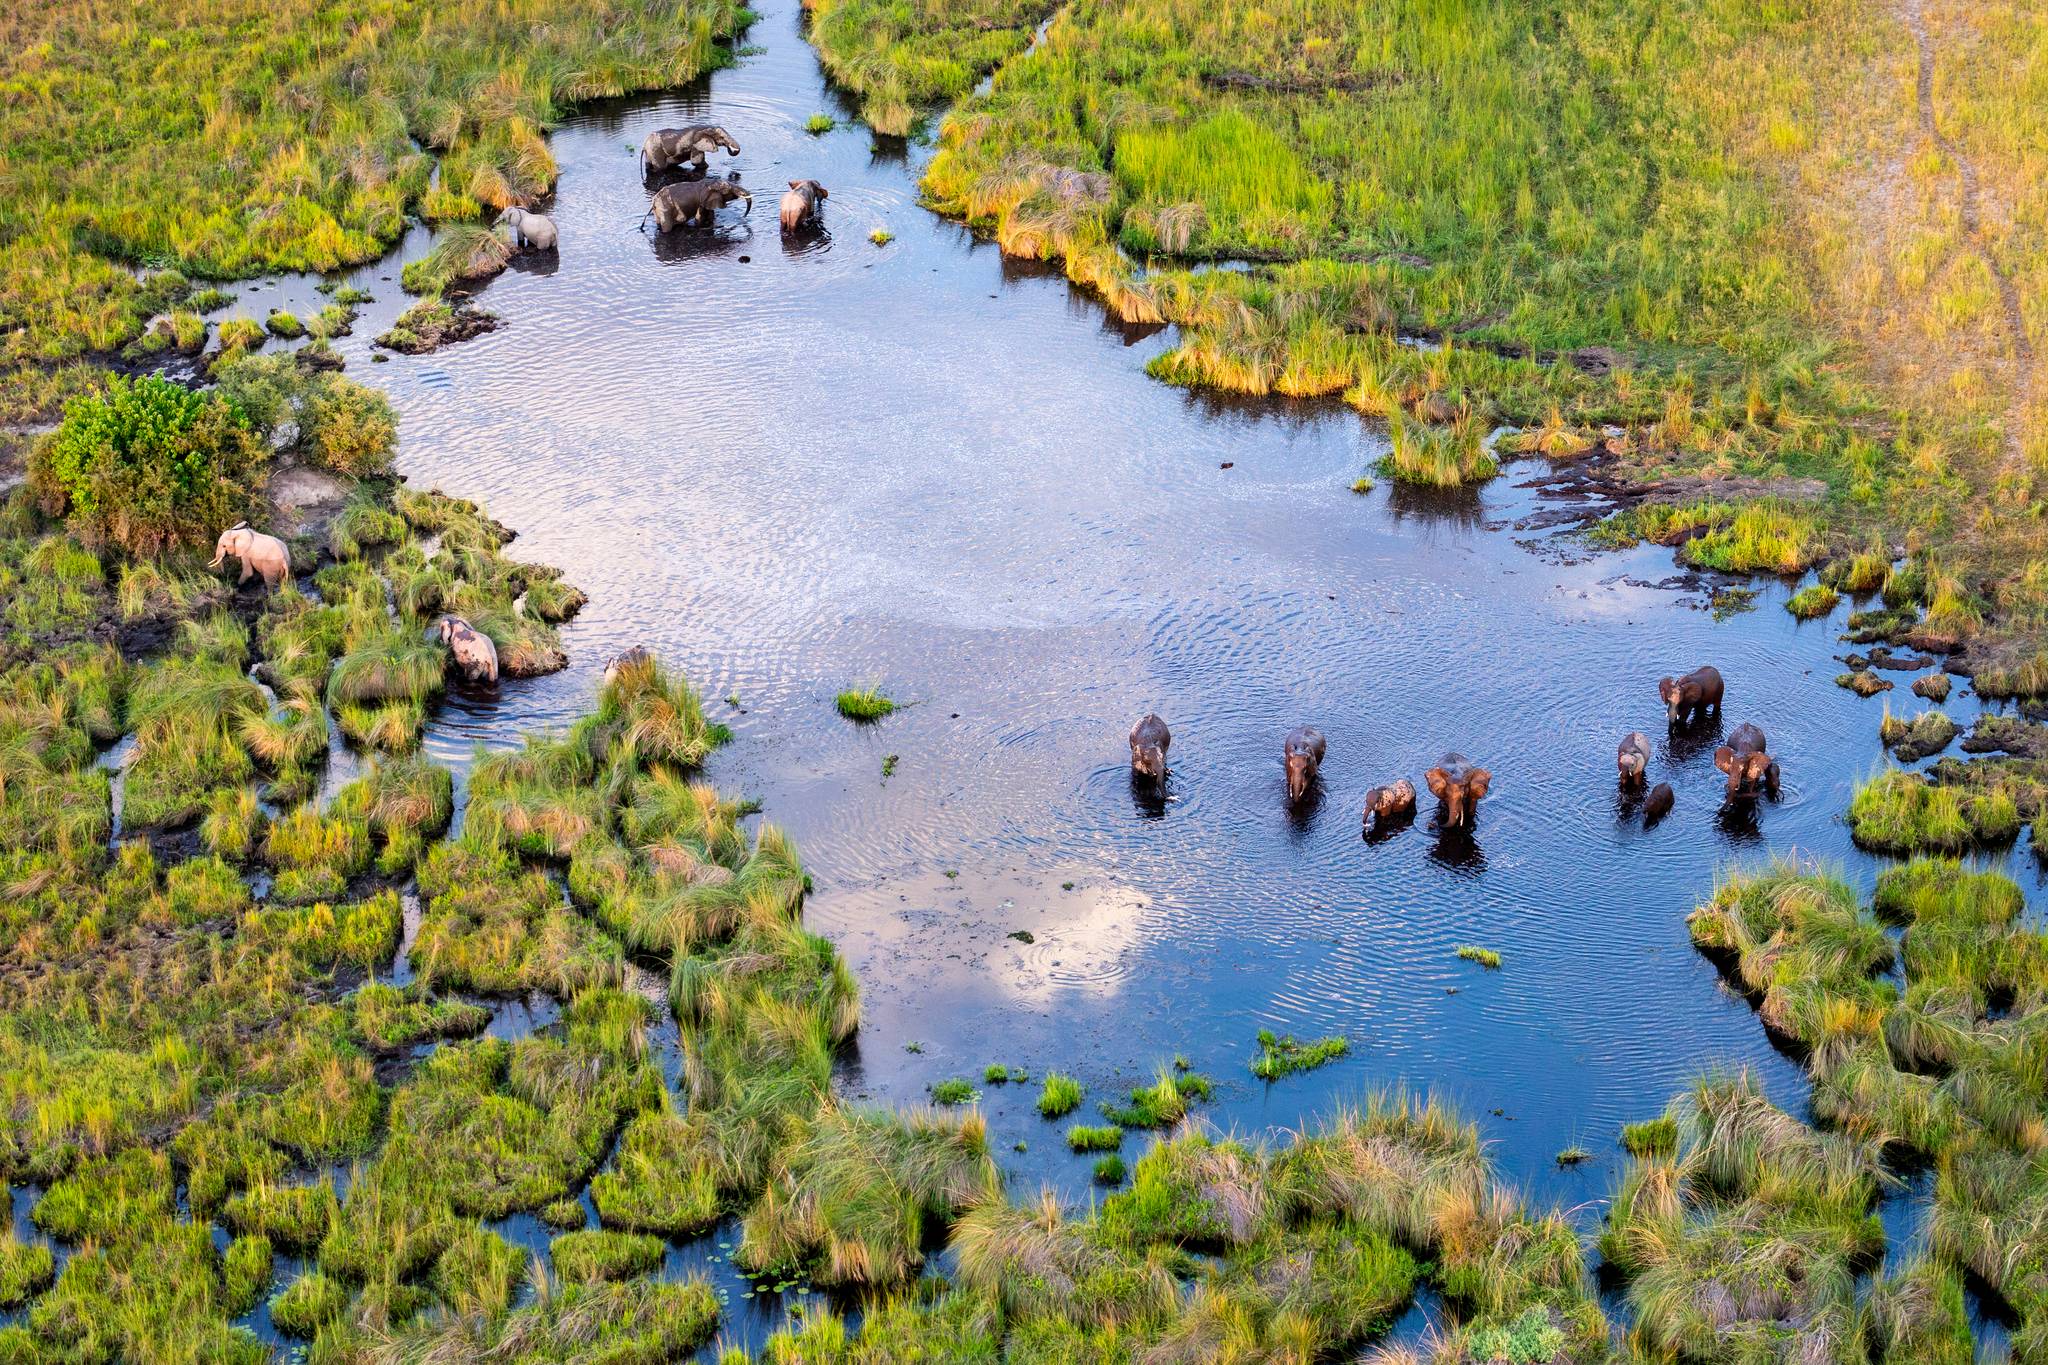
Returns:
<point x="1390" y="802"/>
<point x="1302" y="752"/>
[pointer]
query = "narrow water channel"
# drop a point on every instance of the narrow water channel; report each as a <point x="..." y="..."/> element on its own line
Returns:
<point x="790" y="466"/>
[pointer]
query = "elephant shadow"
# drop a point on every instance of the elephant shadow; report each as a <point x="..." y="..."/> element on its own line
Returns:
<point x="807" y="239"/>
<point x="1149" y="797"/>
<point x="538" y="263"/>
<point x="695" y="244"/>
<point x="1380" y="828"/>
<point x="1689" y="740"/>
<point x="1301" y="815"/>
<point x="657" y="181"/>
<point x="1457" y="849"/>
<point x="1740" y="820"/>
<point x="1628" y="803"/>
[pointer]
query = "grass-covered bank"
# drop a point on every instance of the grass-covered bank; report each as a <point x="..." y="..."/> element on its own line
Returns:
<point x="226" y="139"/>
<point x="1654" y="216"/>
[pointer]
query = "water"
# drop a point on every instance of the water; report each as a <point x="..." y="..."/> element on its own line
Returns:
<point x="791" y="465"/>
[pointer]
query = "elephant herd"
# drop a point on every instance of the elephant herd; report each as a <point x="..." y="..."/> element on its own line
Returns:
<point x="692" y="203"/>
<point x="1458" y="784"/>
<point x="695" y="203"/>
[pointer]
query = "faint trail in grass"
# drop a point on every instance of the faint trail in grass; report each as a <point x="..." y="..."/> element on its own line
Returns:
<point x="1914" y="13"/>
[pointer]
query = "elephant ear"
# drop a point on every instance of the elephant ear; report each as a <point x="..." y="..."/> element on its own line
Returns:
<point x="796" y="184"/>
<point x="1665" y="688"/>
<point x="823" y="193"/>
<point x="1439" y="782"/>
<point x="1724" y="759"/>
<point x="1476" y="783"/>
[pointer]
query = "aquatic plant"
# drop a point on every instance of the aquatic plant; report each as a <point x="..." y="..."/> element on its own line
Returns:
<point x="820" y="123"/>
<point x="1485" y="957"/>
<point x="863" y="704"/>
<point x="1059" y="1096"/>
<point x="1099" y="1138"/>
<point x="1280" y="1056"/>
<point x="1437" y="456"/>
<point x="1814" y="600"/>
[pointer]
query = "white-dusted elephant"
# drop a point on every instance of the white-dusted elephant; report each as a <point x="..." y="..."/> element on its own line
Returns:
<point x="259" y="553"/>
<point x="530" y="231"/>
<point x="475" y="655"/>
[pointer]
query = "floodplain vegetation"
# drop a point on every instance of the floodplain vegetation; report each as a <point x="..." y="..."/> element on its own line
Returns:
<point x="168" y="144"/>
<point x="1394" y="203"/>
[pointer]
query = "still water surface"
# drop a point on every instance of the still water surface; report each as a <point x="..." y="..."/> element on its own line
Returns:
<point x="794" y="465"/>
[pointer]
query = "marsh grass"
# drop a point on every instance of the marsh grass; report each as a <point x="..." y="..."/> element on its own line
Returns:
<point x="1485" y="957"/>
<point x="864" y="704"/>
<point x="1283" y="1055"/>
<point x="1814" y="600"/>
<point x="1435" y="456"/>
<point x="1059" y="1096"/>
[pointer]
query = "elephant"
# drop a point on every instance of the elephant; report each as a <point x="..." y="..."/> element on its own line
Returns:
<point x="1459" y="785"/>
<point x="259" y="554"/>
<point x="1658" y="805"/>
<point x="666" y="148"/>
<point x="800" y="203"/>
<point x="475" y="655"/>
<point x="530" y="231"/>
<point x="692" y="205"/>
<point x="1632" y="757"/>
<point x="1692" y="696"/>
<point x="1149" y="741"/>
<point x="639" y="656"/>
<point x="1391" y="801"/>
<point x="1745" y="761"/>
<point x="1302" y="753"/>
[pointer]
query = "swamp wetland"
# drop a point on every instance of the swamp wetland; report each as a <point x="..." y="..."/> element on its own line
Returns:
<point x="820" y="985"/>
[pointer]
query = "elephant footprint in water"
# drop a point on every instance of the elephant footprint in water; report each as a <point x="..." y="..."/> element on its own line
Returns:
<point x="475" y="656"/>
<point x="693" y="205"/>
<point x="260" y="554"/>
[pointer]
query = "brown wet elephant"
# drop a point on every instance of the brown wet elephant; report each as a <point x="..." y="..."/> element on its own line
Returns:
<point x="1149" y="741"/>
<point x="693" y="205"/>
<point x="1632" y="758"/>
<point x="475" y="656"/>
<point x="1690" y="698"/>
<point x="800" y="204"/>
<point x="666" y="148"/>
<point x="1658" y="805"/>
<point x="1744" y="758"/>
<point x="1390" y="802"/>
<point x="260" y="554"/>
<point x="1302" y="755"/>
<point x="1459" y="785"/>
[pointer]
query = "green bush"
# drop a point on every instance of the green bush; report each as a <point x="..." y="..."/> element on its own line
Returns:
<point x="149" y="465"/>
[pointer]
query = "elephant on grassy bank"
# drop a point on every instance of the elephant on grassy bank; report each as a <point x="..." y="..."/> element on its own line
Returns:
<point x="530" y="231"/>
<point x="1302" y="754"/>
<point x="475" y="656"/>
<point x="1744" y="758"/>
<point x="638" y="657"/>
<point x="693" y="205"/>
<point x="1459" y="785"/>
<point x="260" y="554"/>
<point x="1149" y="741"/>
<point x="800" y="204"/>
<point x="1690" y="698"/>
<point x="667" y="148"/>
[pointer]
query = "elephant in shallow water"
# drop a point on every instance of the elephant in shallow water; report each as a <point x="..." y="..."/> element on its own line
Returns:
<point x="1459" y="785"/>
<point x="1632" y="757"/>
<point x="1302" y="754"/>
<point x="1659" y="804"/>
<point x="693" y="205"/>
<point x="800" y="203"/>
<point x="530" y="230"/>
<point x="474" y="653"/>
<point x="1745" y="760"/>
<point x="1149" y="741"/>
<point x="666" y="148"/>
<point x="1390" y="802"/>
<point x="1690" y="698"/>
<point x="260" y="554"/>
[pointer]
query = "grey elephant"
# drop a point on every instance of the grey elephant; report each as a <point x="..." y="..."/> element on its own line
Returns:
<point x="693" y="205"/>
<point x="666" y="148"/>
<point x="1301" y="753"/>
<point x="475" y="655"/>
<point x="260" y="554"/>
<point x="530" y="231"/>
<point x="800" y="203"/>
<point x="1632" y="758"/>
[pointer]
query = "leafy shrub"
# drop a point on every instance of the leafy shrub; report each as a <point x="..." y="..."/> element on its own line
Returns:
<point x="149" y="465"/>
